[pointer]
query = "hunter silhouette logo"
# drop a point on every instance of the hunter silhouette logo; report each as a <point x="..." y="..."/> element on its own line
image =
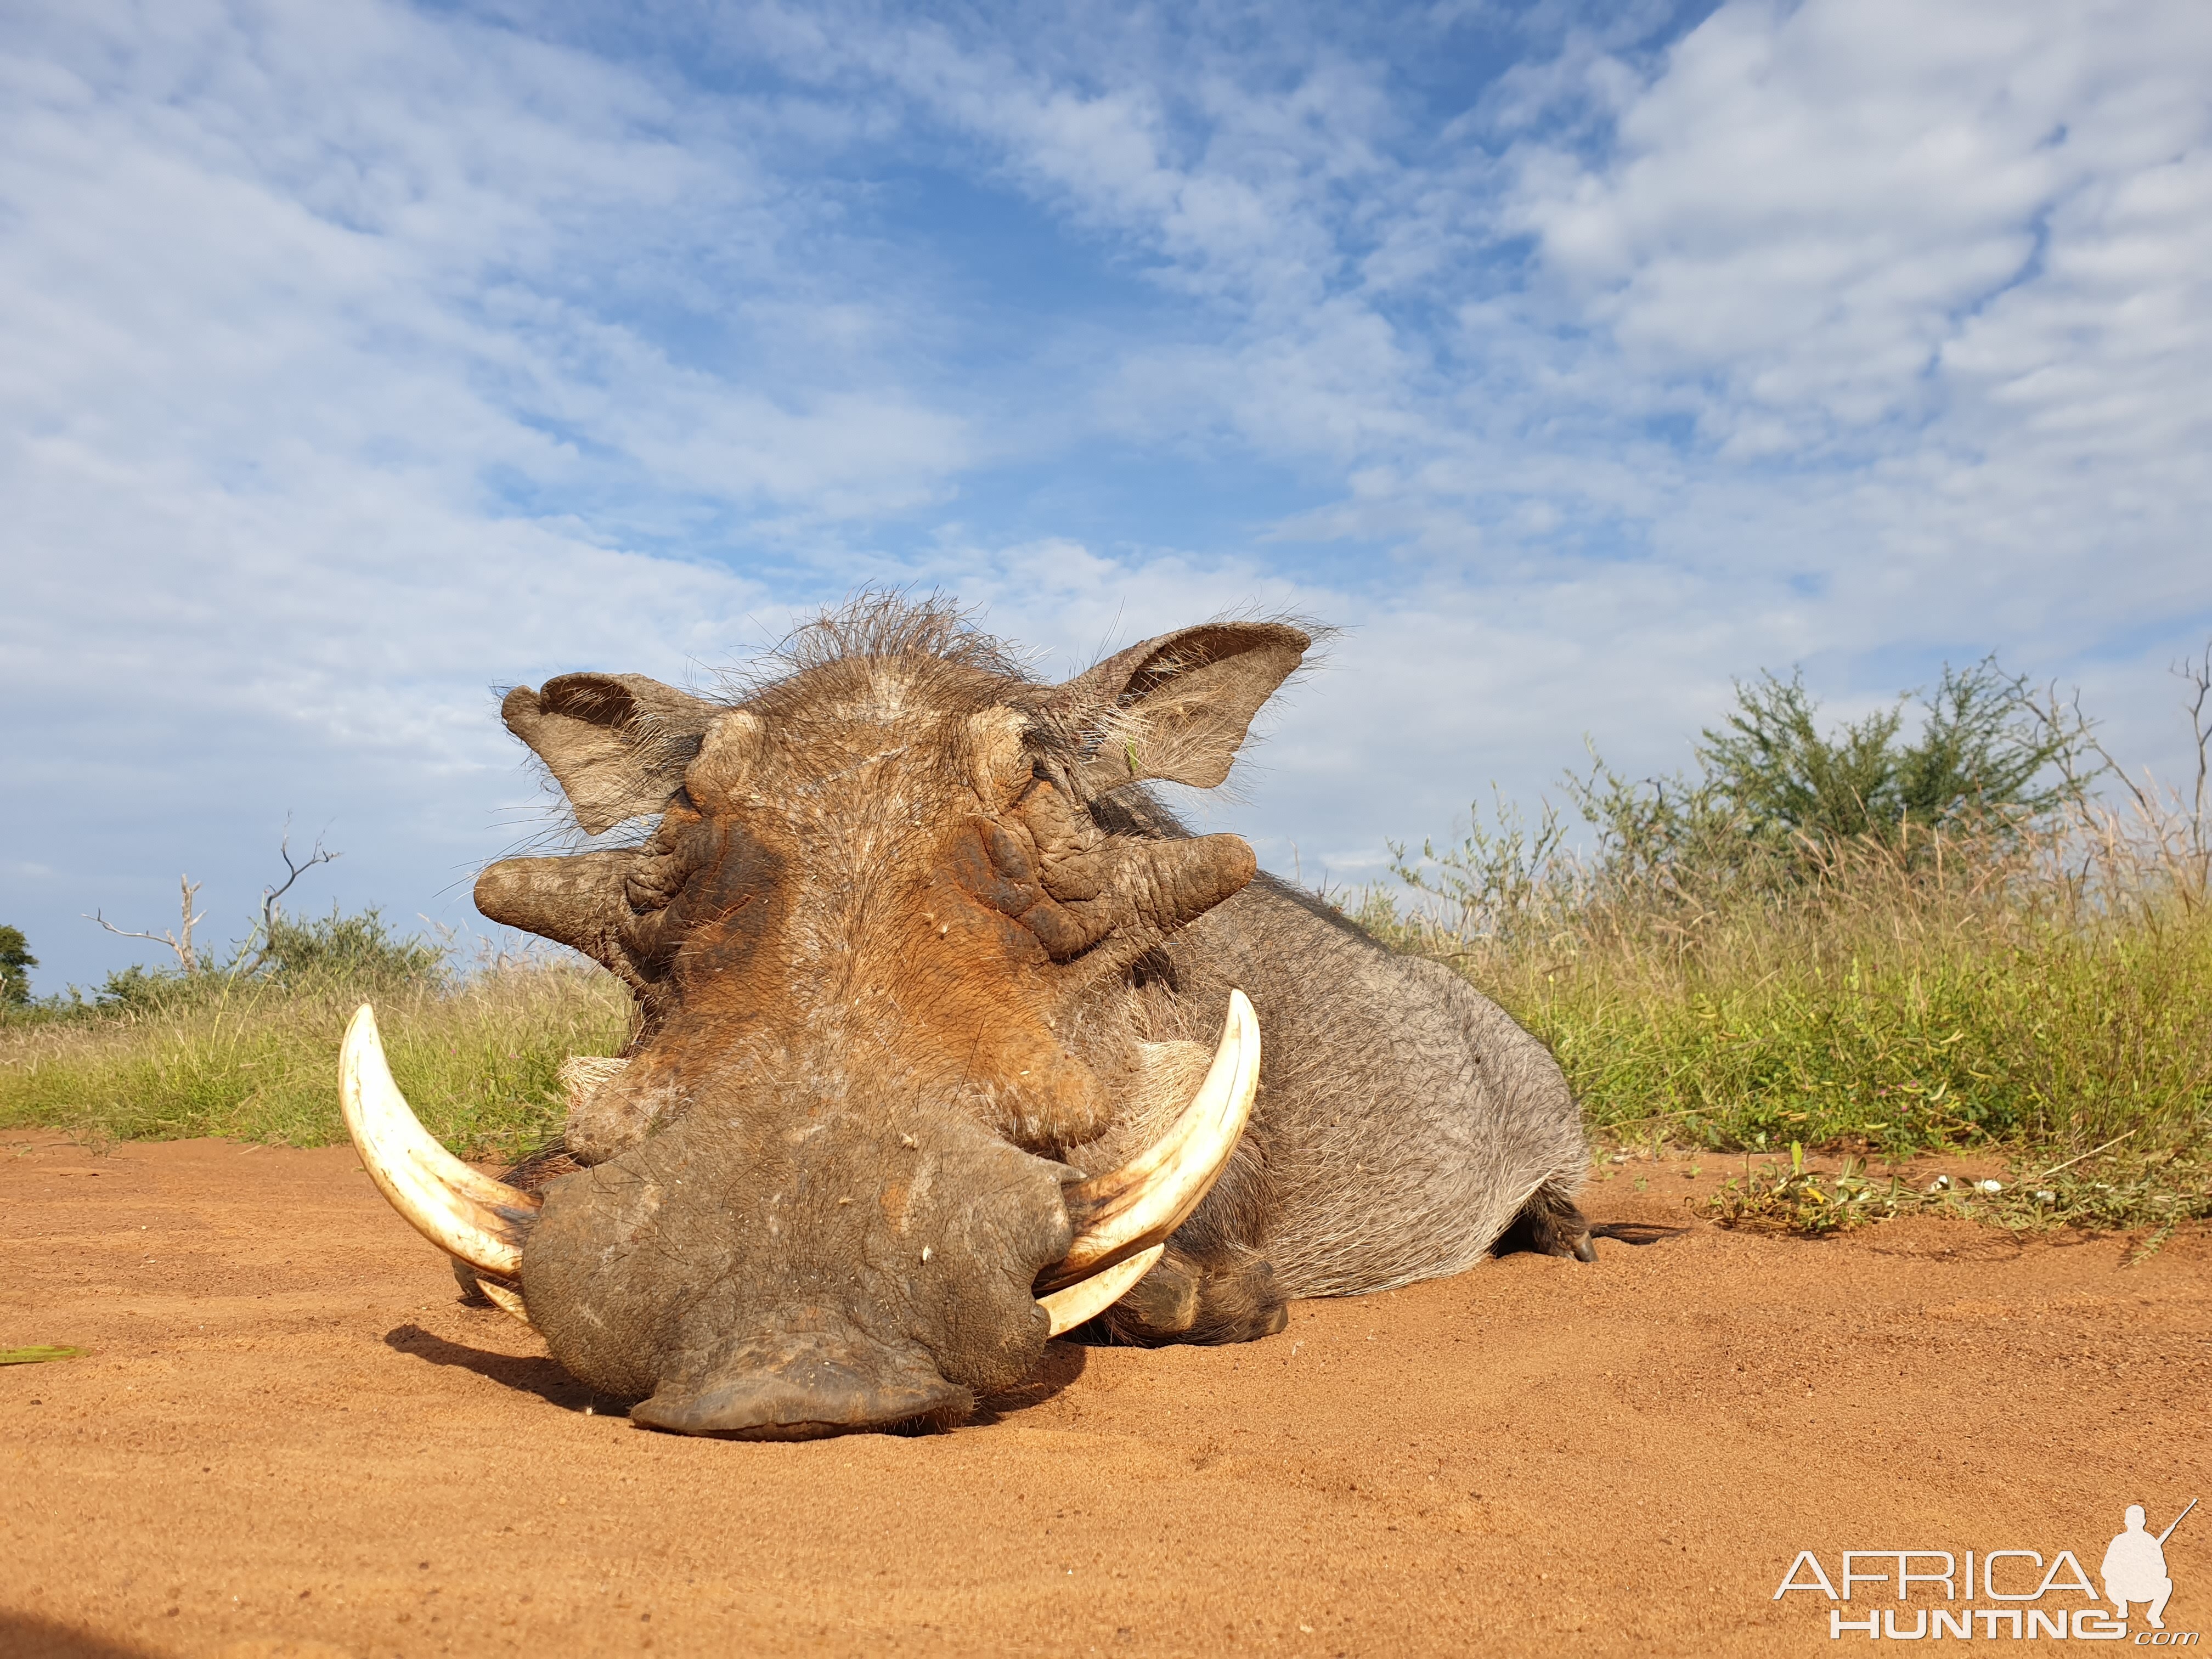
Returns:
<point x="2135" y="1566"/>
<point x="2026" y="1605"/>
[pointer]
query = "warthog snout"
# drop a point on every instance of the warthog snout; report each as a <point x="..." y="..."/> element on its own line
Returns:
<point x="824" y="1267"/>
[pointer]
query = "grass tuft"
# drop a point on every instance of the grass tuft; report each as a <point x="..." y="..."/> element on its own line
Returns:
<point x="256" y="1059"/>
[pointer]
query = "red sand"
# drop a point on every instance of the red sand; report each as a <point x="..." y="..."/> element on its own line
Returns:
<point x="288" y="1437"/>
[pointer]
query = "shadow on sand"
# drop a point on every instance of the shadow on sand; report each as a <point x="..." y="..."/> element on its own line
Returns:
<point x="1063" y="1362"/>
<point x="1636" y="1232"/>
<point x="26" y="1636"/>
<point x="535" y="1374"/>
<point x="524" y="1373"/>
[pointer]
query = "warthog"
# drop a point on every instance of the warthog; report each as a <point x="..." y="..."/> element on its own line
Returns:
<point x="949" y="1038"/>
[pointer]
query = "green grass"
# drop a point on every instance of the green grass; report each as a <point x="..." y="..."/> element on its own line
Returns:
<point x="255" y="1061"/>
<point x="2053" y="1036"/>
<point x="2013" y="999"/>
<point x="1857" y="1028"/>
<point x="2044" y="995"/>
<point x="2030" y="991"/>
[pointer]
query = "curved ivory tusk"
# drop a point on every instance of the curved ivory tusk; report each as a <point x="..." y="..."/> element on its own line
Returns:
<point x="505" y="1297"/>
<point x="466" y="1213"/>
<point x="1118" y="1214"/>
<point x="1093" y="1295"/>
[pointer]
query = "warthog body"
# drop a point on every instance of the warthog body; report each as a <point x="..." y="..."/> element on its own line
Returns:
<point x="911" y="945"/>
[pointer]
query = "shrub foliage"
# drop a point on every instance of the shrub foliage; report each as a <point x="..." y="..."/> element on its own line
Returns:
<point x="16" y="963"/>
<point x="1853" y="937"/>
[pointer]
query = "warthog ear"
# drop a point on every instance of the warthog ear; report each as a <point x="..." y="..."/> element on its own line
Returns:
<point x="1178" y="706"/>
<point x="617" y="743"/>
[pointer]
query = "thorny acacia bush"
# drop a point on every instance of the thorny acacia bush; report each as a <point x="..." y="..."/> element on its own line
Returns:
<point x="1750" y="960"/>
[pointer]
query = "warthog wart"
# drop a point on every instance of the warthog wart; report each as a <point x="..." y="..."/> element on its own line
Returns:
<point x="950" y="1037"/>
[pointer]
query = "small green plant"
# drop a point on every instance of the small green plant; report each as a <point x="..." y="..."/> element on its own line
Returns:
<point x="2104" y="1190"/>
<point x="1507" y="881"/>
<point x="1798" y="1201"/>
<point x="2110" y="1189"/>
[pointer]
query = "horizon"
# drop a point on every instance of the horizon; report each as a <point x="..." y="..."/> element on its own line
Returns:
<point x="1573" y="361"/>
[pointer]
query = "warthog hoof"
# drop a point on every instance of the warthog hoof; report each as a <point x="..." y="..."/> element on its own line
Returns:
<point x="1187" y="1299"/>
<point x="1549" y="1224"/>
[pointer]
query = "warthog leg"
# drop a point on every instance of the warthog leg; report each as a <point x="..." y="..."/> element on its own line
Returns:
<point x="1549" y="1224"/>
<point x="1188" y="1299"/>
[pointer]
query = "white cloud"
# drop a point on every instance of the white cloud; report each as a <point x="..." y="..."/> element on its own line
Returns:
<point x="1807" y="206"/>
<point x="352" y="357"/>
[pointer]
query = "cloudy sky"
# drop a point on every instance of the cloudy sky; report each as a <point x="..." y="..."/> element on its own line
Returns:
<point x="356" y="358"/>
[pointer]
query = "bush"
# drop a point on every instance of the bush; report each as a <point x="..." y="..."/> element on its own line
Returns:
<point x="359" y="950"/>
<point x="1848" y="939"/>
<point x="139" y="989"/>
<point x="1984" y="753"/>
<point x="16" y="962"/>
<point x="1775" y="799"/>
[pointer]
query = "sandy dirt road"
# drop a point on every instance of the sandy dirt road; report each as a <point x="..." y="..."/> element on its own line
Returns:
<point x="289" y="1437"/>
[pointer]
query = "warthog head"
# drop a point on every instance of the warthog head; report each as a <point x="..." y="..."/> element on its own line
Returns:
<point x="894" y="1081"/>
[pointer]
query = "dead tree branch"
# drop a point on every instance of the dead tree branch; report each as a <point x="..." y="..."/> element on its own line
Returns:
<point x="2197" y="674"/>
<point x="294" y="871"/>
<point x="182" y="946"/>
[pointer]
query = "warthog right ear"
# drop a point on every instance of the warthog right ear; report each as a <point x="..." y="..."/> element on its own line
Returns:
<point x="1179" y="707"/>
<point x="617" y="743"/>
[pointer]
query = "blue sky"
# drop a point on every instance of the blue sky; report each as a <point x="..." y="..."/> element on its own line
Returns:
<point x="358" y="358"/>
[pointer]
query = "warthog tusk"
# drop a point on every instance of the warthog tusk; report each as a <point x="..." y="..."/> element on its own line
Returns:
<point x="505" y="1296"/>
<point x="466" y="1213"/>
<point x="1126" y="1211"/>
<point x="1087" y="1300"/>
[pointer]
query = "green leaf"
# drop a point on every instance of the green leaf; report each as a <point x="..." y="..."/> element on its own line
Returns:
<point x="32" y="1356"/>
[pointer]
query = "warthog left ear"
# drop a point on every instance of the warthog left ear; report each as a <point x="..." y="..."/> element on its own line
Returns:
<point x="618" y="743"/>
<point x="1178" y="706"/>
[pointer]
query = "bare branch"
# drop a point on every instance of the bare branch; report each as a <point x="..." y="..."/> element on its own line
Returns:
<point x="190" y="890"/>
<point x="125" y="932"/>
<point x="2199" y="677"/>
<point x="182" y="946"/>
<point x="294" y="871"/>
<point x="263" y="937"/>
